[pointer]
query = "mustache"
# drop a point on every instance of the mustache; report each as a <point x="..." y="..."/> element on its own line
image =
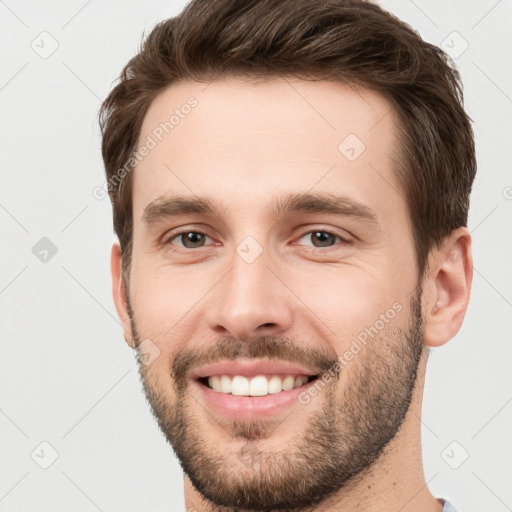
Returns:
<point x="272" y="348"/>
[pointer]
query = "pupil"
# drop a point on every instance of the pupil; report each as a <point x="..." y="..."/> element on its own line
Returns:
<point x="191" y="236"/>
<point x="324" y="237"/>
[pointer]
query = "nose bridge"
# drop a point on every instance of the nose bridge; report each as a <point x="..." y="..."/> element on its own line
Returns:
<point x="250" y="300"/>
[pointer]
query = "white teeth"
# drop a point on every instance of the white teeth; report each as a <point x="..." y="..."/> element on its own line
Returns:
<point x="240" y="385"/>
<point x="214" y="382"/>
<point x="274" y="385"/>
<point x="225" y="384"/>
<point x="299" y="381"/>
<point x="288" y="383"/>
<point x="260" y="385"/>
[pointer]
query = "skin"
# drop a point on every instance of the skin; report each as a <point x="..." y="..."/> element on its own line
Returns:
<point x="245" y="144"/>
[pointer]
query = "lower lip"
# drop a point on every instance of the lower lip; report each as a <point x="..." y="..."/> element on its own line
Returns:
<point x="246" y="407"/>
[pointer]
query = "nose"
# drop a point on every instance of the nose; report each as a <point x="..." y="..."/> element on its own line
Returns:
<point x="250" y="301"/>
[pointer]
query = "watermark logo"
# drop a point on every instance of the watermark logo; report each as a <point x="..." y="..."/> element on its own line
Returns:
<point x="249" y="249"/>
<point x="147" y="352"/>
<point x="45" y="45"/>
<point x="351" y="147"/>
<point x="249" y="456"/>
<point x="44" y="455"/>
<point x="355" y="347"/>
<point x="455" y="455"/>
<point x="151" y="142"/>
<point x="44" y="250"/>
<point x="454" y="45"/>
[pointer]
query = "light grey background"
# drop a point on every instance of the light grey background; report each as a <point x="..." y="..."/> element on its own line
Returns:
<point x="67" y="376"/>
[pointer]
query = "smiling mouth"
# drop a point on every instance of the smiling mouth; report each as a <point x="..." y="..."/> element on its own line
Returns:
<point x="257" y="386"/>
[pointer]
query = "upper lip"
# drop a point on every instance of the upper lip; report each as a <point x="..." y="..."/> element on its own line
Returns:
<point x="251" y="368"/>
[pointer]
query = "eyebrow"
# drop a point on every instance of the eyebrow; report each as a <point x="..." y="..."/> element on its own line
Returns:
<point x="164" y="207"/>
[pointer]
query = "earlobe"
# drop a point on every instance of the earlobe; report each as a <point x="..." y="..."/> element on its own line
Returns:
<point x="119" y="293"/>
<point x="447" y="288"/>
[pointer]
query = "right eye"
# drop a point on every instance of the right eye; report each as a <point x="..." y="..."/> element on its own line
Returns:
<point x="189" y="239"/>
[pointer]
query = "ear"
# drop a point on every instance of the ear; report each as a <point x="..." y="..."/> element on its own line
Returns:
<point x="119" y="293"/>
<point x="447" y="288"/>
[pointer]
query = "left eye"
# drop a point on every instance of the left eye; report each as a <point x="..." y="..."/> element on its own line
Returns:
<point x="324" y="238"/>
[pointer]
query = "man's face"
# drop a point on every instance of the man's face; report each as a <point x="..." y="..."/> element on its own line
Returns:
<point x="249" y="282"/>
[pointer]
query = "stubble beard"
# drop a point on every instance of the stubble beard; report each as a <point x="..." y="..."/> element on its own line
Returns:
<point x="339" y="445"/>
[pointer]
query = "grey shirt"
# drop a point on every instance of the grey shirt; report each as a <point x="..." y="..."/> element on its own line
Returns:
<point x="448" y="507"/>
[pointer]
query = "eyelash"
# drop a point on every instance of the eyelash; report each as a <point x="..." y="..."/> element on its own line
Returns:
<point x="343" y="241"/>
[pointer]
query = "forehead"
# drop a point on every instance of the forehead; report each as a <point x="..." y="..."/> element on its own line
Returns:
<point x="240" y="140"/>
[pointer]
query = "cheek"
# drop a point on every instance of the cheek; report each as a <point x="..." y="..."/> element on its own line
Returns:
<point x="163" y="294"/>
<point x="348" y="298"/>
<point x="165" y="306"/>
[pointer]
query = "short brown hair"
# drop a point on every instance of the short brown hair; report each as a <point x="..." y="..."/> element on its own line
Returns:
<point x="352" y="41"/>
